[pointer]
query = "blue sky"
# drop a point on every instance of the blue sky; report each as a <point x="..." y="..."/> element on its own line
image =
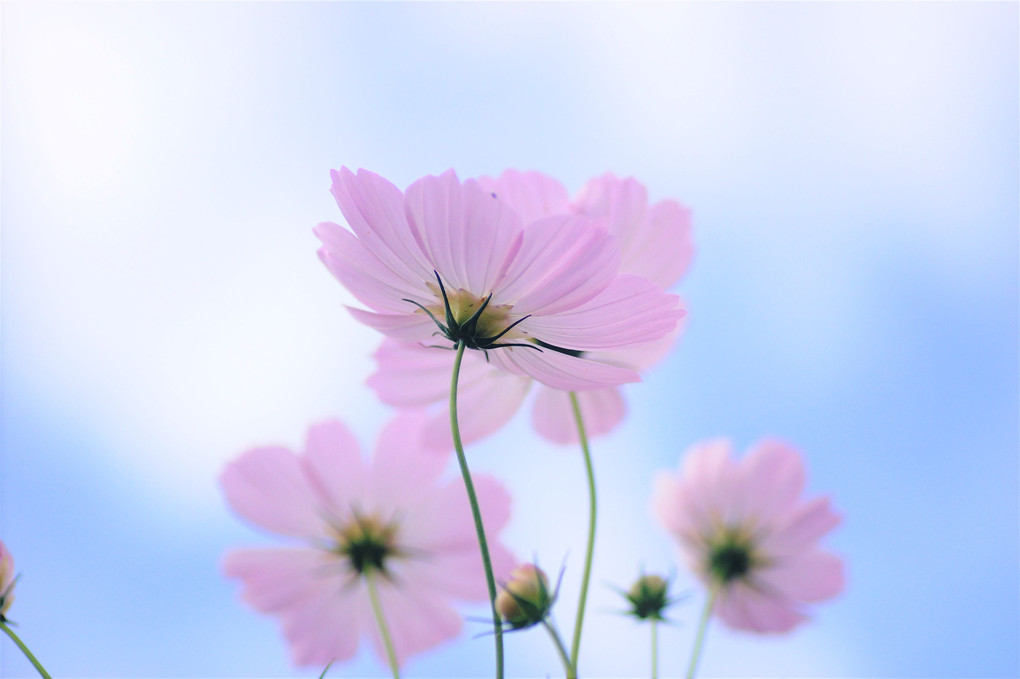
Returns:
<point x="853" y="174"/>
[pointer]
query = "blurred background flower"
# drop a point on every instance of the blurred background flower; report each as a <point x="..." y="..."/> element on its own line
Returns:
<point x="852" y="173"/>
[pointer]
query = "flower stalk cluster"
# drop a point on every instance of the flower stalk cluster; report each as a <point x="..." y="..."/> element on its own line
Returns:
<point x="490" y="292"/>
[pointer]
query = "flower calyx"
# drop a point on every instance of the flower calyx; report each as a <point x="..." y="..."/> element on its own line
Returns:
<point x="472" y="321"/>
<point x="649" y="598"/>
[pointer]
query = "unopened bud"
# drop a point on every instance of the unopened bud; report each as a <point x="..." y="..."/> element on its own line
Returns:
<point x="7" y="579"/>
<point x="525" y="599"/>
<point x="648" y="597"/>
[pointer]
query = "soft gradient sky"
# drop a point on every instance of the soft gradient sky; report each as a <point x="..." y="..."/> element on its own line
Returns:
<point x="853" y="174"/>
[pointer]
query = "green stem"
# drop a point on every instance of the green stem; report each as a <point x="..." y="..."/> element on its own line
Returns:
<point x="476" y="513"/>
<point x="575" y="649"/>
<point x="373" y="595"/>
<point x="655" y="649"/>
<point x="24" y="649"/>
<point x="699" y="639"/>
<point x="567" y="665"/>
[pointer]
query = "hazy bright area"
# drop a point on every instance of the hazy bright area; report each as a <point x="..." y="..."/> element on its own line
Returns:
<point x="853" y="174"/>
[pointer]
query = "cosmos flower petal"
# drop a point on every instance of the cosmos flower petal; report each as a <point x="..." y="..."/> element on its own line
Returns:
<point x="268" y="487"/>
<point x="363" y="273"/>
<point x="444" y="523"/>
<point x="374" y="209"/>
<point x="553" y="416"/>
<point x="772" y="479"/>
<point x="468" y="235"/>
<point x="485" y="402"/>
<point x="743" y="608"/>
<point x="406" y="327"/>
<point x="410" y="375"/>
<point x="532" y="195"/>
<point x="661" y="251"/>
<point x="403" y="467"/>
<point x="803" y="527"/>
<point x="417" y="621"/>
<point x="327" y="626"/>
<point x="630" y="310"/>
<point x="332" y="463"/>
<point x="563" y="262"/>
<point x="274" y="579"/>
<point x="809" y="576"/>
<point x="561" y="371"/>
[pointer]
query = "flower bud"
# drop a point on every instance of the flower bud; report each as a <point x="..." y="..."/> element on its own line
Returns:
<point x="648" y="597"/>
<point x="6" y="580"/>
<point x="525" y="599"/>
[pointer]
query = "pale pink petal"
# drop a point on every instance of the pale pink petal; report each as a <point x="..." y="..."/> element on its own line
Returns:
<point x="563" y="262"/>
<point x="601" y="410"/>
<point x="662" y="249"/>
<point x="364" y="274"/>
<point x="268" y="487"/>
<point x="654" y="242"/>
<point x="417" y="621"/>
<point x="808" y="576"/>
<point x="560" y="371"/>
<point x="403" y="469"/>
<point x="442" y="522"/>
<point x="629" y="311"/>
<point x="665" y="505"/>
<point x="327" y="625"/>
<point x="374" y="208"/>
<point x="469" y="235"/>
<point x="772" y="478"/>
<point x="412" y="375"/>
<point x="459" y="574"/>
<point x="802" y="528"/>
<point x="332" y="463"/>
<point x="486" y="400"/>
<point x="744" y="608"/>
<point x="532" y="195"/>
<point x="641" y="357"/>
<point x="276" y="579"/>
<point x="416" y="327"/>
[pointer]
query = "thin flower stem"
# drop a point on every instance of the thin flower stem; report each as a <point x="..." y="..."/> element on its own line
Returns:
<point x="384" y="630"/>
<point x="699" y="639"/>
<point x="575" y="649"/>
<point x="655" y="649"/>
<point x="571" y="672"/>
<point x="24" y="649"/>
<point x="476" y="513"/>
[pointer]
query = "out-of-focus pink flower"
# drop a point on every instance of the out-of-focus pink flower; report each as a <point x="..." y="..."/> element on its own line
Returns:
<point x="447" y="262"/>
<point x="655" y="243"/>
<point x="746" y="533"/>
<point x="392" y="515"/>
<point x="7" y="579"/>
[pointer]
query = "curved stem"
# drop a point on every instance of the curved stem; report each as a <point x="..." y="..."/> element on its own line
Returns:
<point x="476" y="513"/>
<point x="655" y="648"/>
<point x="575" y="649"/>
<point x="699" y="639"/>
<point x="373" y="595"/>
<point x="24" y="649"/>
<point x="571" y="672"/>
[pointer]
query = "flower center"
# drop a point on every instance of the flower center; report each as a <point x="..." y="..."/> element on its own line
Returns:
<point x="730" y="558"/>
<point x="367" y="542"/>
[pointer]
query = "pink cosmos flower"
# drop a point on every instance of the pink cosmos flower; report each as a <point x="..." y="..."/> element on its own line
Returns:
<point x="446" y="262"/>
<point x="7" y="579"/>
<point x="392" y="516"/>
<point x="655" y="243"/>
<point x="747" y="534"/>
